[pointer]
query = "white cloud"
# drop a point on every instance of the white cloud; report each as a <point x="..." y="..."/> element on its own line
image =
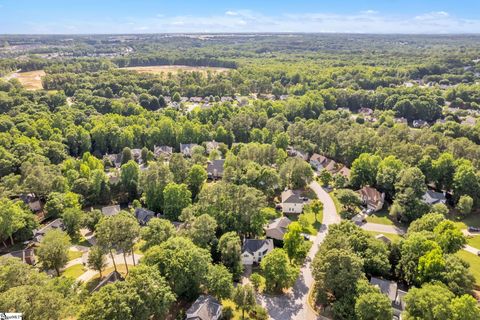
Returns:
<point x="368" y="21"/>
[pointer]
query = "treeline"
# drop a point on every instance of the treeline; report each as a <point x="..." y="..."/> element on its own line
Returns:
<point x="153" y="60"/>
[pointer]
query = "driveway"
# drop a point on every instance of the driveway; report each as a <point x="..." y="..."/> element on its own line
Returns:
<point x="471" y="249"/>
<point x="383" y="228"/>
<point x="294" y="305"/>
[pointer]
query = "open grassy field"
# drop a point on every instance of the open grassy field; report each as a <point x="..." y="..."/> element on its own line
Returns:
<point x="74" y="254"/>
<point x="474" y="262"/>
<point x="31" y="80"/>
<point x="174" y="69"/>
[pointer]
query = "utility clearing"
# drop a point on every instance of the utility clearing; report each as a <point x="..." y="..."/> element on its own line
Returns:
<point x="175" y="69"/>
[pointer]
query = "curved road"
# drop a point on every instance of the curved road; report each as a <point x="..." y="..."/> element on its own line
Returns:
<point x="294" y="304"/>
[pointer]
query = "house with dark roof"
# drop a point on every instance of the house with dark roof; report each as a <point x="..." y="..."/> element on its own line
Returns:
<point x="292" y="152"/>
<point x="432" y="197"/>
<point x="419" y="123"/>
<point x="318" y="161"/>
<point x="292" y="202"/>
<point x="253" y="250"/>
<point x="143" y="215"/>
<point x="40" y="233"/>
<point x="187" y="148"/>
<point x="215" y="169"/>
<point x="113" y="160"/>
<point x="211" y="145"/>
<point x="165" y="151"/>
<point x="204" y="308"/>
<point x="396" y="296"/>
<point x="27" y="255"/>
<point x="111" y="210"/>
<point x="32" y="201"/>
<point x="372" y="198"/>
<point x="277" y="228"/>
<point x="111" y="278"/>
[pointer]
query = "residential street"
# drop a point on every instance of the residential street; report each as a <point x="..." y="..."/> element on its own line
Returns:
<point x="294" y="305"/>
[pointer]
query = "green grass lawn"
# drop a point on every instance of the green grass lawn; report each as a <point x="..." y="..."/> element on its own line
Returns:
<point x="315" y="222"/>
<point x="474" y="242"/>
<point x="74" y="271"/>
<point x="338" y="206"/>
<point x="391" y="236"/>
<point x="474" y="262"/>
<point x="74" y="254"/>
<point x="82" y="242"/>
<point x="380" y="217"/>
<point x="472" y="220"/>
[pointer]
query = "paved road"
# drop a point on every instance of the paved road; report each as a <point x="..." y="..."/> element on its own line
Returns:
<point x="383" y="228"/>
<point x="294" y="305"/>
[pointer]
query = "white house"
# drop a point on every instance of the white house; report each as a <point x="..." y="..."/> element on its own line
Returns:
<point x="254" y="250"/>
<point x="292" y="202"/>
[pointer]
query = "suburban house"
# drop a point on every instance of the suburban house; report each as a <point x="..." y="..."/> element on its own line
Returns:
<point x="32" y="201"/>
<point x="277" y="228"/>
<point x="292" y="202"/>
<point x="345" y="172"/>
<point x="39" y="234"/>
<point x="111" y="210"/>
<point x="205" y="308"/>
<point x="27" y="255"/>
<point x="187" y="148"/>
<point x="372" y="198"/>
<point x="292" y="152"/>
<point x="390" y="289"/>
<point x="211" y="145"/>
<point x="432" y="197"/>
<point x="143" y="215"/>
<point x="419" y="123"/>
<point x="137" y="155"/>
<point x="164" y="151"/>
<point x="114" y="276"/>
<point x="113" y="176"/>
<point x="113" y="160"/>
<point x="365" y="111"/>
<point x="253" y="250"/>
<point x="317" y="161"/>
<point x="215" y="169"/>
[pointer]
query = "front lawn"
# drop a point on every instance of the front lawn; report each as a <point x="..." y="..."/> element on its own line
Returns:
<point x="72" y="254"/>
<point x="472" y="220"/>
<point x="474" y="242"/>
<point x="74" y="271"/>
<point x="474" y="262"/>
<point x="380" y="217"/>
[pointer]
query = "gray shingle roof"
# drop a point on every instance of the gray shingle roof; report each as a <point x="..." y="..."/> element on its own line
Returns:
<point x="111" y="278"/>
<point x="143" y="215"/>
<point x="289" y="196"/>
<point x="215" y="167"/>
<point x="204" y="308"/>
<point x="253" y="245"/>
<point x="111" y="210"/>
<point x="432" y="197"/>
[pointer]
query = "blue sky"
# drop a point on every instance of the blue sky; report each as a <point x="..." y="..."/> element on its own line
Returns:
<point x="152" y="16"/>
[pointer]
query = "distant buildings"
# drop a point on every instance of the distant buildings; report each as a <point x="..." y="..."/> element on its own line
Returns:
<point x="110" y="211"/>
<point x="215" y="169"/>
<point x="187" y="148"/>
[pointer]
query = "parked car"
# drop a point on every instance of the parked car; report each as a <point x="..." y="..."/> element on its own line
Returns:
<point x="473" y="229"/>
